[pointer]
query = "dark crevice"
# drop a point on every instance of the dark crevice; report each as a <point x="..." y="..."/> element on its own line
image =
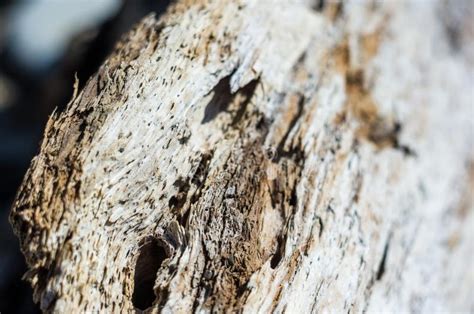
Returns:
<point x="177" y="201"/>
<point x="202" y="170"/>
<point x="242" y="289"/>
<point x="278" y="255"/>
<point x="276" y="195"/>
<point x="293" y="197"/>
<point x="150" y="258"/>
<point x="382" y="265"/>
<point x="184" y="139"/>
<point x="184" y="217"/>
<point x="404" y="149"/>
<point x="162" y="298"/>
<point x="321" y="226"/>
<point x="319" y="5"/>
<point x="195" y="306"/>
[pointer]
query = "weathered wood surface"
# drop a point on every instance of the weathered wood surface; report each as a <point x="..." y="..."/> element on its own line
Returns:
<point x="263" y="156"/>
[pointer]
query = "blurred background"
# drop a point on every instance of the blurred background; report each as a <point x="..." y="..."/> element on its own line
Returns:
<point x="43" y="43"/>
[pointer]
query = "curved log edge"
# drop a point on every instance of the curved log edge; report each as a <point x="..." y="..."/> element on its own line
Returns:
<point x="263" y="156"/>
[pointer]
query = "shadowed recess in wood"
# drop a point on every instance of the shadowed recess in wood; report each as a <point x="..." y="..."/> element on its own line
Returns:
<point x="150" y="258"/>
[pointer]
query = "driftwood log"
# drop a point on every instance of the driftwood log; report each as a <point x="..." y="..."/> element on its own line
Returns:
<point x="263" y="156"/>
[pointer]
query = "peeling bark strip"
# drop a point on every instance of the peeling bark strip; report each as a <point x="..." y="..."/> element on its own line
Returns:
<point x="262" y="156"/>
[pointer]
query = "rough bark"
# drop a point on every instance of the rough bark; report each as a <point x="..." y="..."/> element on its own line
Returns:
<point x="263" y="156"/>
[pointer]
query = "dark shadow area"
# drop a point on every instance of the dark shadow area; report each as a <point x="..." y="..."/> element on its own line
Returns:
<point x="220" y="101"/>
<point x="150" y="258"/>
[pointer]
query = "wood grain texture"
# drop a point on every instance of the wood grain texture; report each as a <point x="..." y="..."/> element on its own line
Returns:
<point x="262" y="156"/>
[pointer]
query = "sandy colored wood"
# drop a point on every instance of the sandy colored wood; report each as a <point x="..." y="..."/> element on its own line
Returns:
<point x="263" y="156"/>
